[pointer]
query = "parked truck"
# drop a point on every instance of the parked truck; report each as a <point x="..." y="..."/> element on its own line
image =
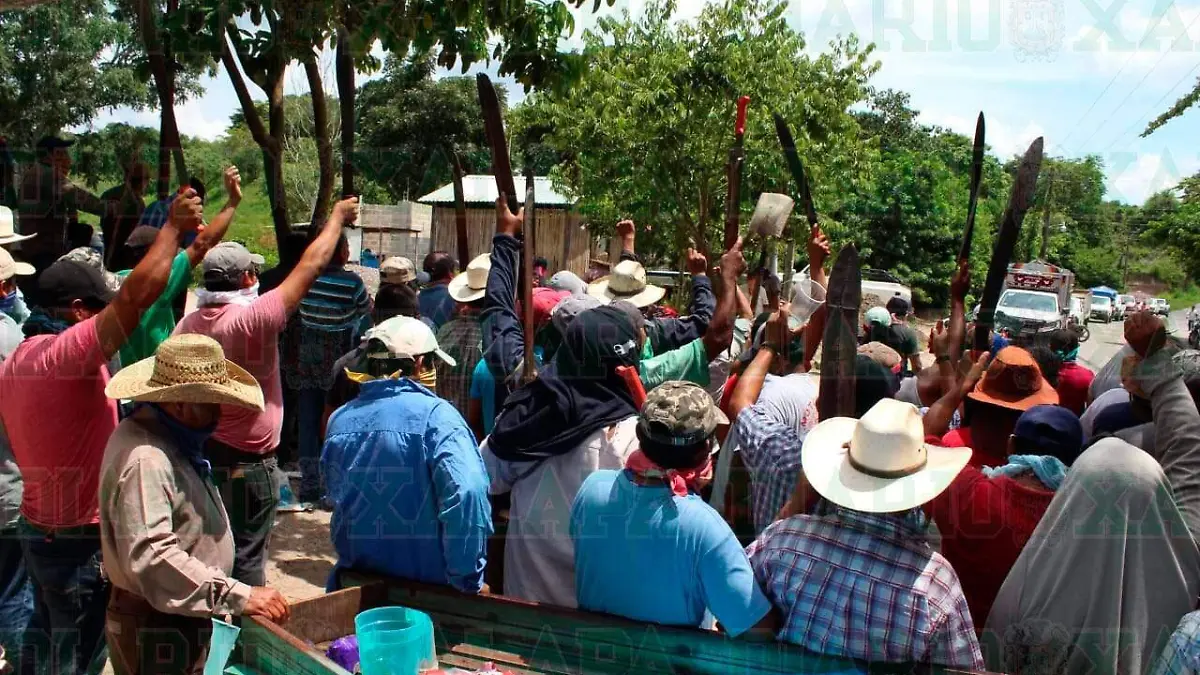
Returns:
<point x="1036" y="300"/>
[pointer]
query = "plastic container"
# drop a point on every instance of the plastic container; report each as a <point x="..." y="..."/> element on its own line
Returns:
<point x="395" y="641"/>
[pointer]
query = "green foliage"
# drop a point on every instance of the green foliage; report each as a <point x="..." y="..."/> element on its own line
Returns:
<point x="407" y="121"/>
<point x="645" y="131"/>
<point x="60" y="64"/>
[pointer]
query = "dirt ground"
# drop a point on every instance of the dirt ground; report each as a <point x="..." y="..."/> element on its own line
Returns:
<point x="301" y="555"/>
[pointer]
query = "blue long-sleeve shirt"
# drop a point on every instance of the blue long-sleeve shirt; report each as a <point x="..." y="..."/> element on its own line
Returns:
<point x="409" y="487"/>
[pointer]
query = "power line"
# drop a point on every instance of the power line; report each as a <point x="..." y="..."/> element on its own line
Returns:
<point x="1141" y="120"/>
<point x="1186" y="32"/>
<point x="1096" y="100"/>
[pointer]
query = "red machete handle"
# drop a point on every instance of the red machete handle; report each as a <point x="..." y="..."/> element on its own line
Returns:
<point x="742" y="103"/>
<point x="630" y="375"/>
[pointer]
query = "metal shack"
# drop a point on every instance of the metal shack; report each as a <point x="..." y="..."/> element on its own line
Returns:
<point x="562" y="237"/>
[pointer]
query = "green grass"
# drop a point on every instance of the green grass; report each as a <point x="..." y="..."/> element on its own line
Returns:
<point x="1183" y="297"/>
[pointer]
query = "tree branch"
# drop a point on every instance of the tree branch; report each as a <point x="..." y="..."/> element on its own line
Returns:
<point x="324" y="143"/>
<point x="257" y="131"/>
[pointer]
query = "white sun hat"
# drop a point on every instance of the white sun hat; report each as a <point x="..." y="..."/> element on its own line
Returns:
<point x="627" y="282"/>
<point x="8" y="231"/>
<point x="403" y="337"/>
<point x="472" y="284"/>
<point x="10" y="268"/>
<point x="880" y="463"/>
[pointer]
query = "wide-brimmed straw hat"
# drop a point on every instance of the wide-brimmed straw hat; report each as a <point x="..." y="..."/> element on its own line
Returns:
<point x="10" y="268"/>
<point x="472" y="284"/>
<point x="8" y="230"/>
<point x="880" y="463"/>
<point x="187" y="368"/>
<point x="1014" y="381"/>
<point x="627" y="282"/>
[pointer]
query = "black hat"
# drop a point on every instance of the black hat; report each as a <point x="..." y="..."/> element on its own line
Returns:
<point x="898" y="306"/>
<point x="46" y="143"/>
<point x="69" y="280"/>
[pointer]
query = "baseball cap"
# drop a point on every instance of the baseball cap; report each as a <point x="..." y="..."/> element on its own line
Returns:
<point x="142" y="236"/>
<point x="10" y="268"/>
<point x="1014" y="381"/>
<point x="397" y="270"/>
<point x="1052" y="430"/>
<point x="679" y="414"/>
<point x="228" y="259"/>
<point x="879" y="316"/>
<point x="544" y="302"/>
<point x="68" y="280"/>
<point x="403" y="337"/>
<point x="51" y="142"/>
<point x="898" y="306"/>
<point x="570" y="307"/>
<point x="566" y="280"/>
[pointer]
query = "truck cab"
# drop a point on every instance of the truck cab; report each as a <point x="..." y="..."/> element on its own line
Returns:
<point x="1036" y="300"/>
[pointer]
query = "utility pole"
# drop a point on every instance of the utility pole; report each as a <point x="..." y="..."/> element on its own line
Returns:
<point x="1046" y="218"/>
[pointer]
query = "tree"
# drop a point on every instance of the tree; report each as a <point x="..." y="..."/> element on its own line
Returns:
<point x="645" y="130"/>
<point x="408" y="123"/>
<point x="61" y="64"/>
<point x="255" y="40"/>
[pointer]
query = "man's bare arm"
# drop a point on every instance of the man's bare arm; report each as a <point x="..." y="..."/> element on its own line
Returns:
<point x="215" y="231"/>
<point x="317" y="255"/>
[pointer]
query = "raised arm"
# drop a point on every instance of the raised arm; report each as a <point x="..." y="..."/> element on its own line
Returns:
<point x="959" y="285"/>
<point x="626" y="231"/>
<point x="317" y="255"/>
<point x="215" y="231"/>
<point x="668" y="334"/>
<point x="750" y="382"/>
<point x="503" y="335"/>
<point x="937" y="420"/>
<point x="719" y="335"/>
<point x="148" y="279"/>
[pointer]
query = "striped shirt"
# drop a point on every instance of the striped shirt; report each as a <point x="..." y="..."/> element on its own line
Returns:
<point x="865" y="586"/>
<point x="332" y="317"/>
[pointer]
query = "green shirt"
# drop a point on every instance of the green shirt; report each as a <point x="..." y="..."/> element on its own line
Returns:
<point x="689" y="363"/>
<point x="159" y="320"/>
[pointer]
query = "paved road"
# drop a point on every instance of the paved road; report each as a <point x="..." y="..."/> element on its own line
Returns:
<point x="1107" y="339"/>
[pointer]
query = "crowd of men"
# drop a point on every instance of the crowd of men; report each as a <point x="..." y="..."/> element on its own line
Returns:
<point x="1009" y="510"/>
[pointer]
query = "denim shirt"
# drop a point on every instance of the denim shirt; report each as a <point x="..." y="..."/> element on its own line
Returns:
<point x="409" y="487"/>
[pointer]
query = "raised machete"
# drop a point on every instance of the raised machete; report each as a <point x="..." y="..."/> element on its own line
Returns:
<point x="836" y="397"/>
<point x="737" y="158"/>
<point x="796" y="167"/>
<point x="528" y="227"/>
<point x="493" y="124"/>
<point x="1019" y="202"/>
<point x="976" y="177"/>
<point x="460" y="210"/>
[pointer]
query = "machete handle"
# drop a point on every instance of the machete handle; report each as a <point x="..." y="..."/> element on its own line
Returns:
<point x="630" y="375"/>
<point x="742" y="104"/>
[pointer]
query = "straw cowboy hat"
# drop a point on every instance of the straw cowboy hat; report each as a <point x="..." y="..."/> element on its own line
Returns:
<point x="187" y="368"/>
<point x="8" y="233"/>
<point x="627" y="282"/>
<point x="10" y="268"/>
<point x="880" y="463"/>
<point x="472" y="284"/>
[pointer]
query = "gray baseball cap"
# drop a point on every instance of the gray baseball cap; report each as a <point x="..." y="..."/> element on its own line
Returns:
<point x="229" y="259"/>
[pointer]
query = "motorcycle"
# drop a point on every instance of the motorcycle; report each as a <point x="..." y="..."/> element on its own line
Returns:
<point x="1081" y="329"/>
<point x="1194" y="334"/>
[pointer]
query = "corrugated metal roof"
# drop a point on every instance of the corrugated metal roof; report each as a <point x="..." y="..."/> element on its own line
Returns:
<point x="481" y="189"/>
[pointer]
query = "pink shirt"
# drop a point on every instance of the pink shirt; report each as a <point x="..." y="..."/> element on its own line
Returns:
<point x="58" y="419"/>
<point x="249" y="334"/>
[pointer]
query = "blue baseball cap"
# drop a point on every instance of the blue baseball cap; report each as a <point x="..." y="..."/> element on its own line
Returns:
<point x="1053" y="430"/>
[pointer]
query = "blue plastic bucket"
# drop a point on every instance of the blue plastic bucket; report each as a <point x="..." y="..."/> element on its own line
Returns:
<point x="395" y="641"/>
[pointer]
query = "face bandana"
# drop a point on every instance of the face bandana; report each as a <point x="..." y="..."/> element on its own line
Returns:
<point x="243" y="297"/>
<point x="679" y="480"/>
<point x="426" y="378"/>
<point x="13" y="305"/>
<point x="189" y="441"/>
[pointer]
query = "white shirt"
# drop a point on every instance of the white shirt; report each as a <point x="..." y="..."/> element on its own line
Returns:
<point x="539" y="556"/>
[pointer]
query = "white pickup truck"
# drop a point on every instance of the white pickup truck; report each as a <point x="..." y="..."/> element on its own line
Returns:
<point x="881" y="284"/>
<point x="1036" y="299"/>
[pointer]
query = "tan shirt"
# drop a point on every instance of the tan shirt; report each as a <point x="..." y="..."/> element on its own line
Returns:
<point x="164" y="532"/>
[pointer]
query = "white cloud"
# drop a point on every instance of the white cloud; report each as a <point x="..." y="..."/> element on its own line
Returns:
<point x="1132" y="177"/>
<point x="1004" y="138"/>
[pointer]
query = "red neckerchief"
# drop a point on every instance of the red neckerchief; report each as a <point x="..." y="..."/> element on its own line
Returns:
<point x="646" y="472"/>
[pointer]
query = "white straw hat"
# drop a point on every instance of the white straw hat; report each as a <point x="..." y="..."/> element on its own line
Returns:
<point x="10" y="268"/>
<point x="8" y="231"/>
<point x="472" y="284"/>
<point x="187" y="368"/>
<point x="881" y="463"/>
<point x="627" y="282"/>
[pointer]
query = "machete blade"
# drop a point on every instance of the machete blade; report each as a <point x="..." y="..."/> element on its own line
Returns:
<point x="493" y="124"/>
<point x="528" y="232"/>
<point x="976" y="176"/>
<point x="840" y="343"/>
<point x="1019" y="202"/>
<point x="796" y="167"/>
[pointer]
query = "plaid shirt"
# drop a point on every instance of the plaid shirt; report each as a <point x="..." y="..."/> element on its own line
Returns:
<point x="866" y="586"/>
<point x="770" y="450"/>
<point x="1181" y="656"/>
<point x="462" y="339"/>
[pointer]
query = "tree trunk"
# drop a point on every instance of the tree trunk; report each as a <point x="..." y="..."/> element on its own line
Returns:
<point x="344" y="63"/>
<point x="162" y="68"/>
<point x="271" y="143"/>
<point x="324" y="143"/>
<point x="460" y="210"/>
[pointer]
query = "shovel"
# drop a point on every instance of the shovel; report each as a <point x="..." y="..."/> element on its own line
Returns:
<point x="769" y="221"/>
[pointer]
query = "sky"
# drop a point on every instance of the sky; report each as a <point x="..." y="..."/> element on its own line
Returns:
<point x="1085" y="74"/>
